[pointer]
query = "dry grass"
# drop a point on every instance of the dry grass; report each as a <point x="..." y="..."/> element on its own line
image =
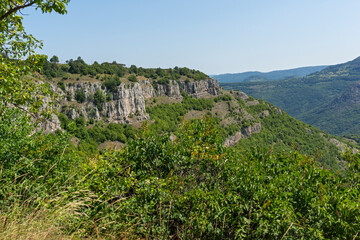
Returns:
<point x="193" y="114"/>
<point x="46" y="222"/>
<point x="37" y="225"/>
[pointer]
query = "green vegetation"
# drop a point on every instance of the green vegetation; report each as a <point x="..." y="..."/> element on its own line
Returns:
<point x="268" y="76"/>
<point x="78" y="66"/>
<point x="99" y="99"/>
<point x="132" y="78"/>
<point x="91" y="136"/>
<point x="80" y="96"/>
<point x="111" y="83"/>
<point x="279" y="131"/>
<point x="168" y="116"/>
<point x="16" y="85"/>
<point x="314" y="98"/>
<point x="157" y="187"/>
<point x="341" y="116"/>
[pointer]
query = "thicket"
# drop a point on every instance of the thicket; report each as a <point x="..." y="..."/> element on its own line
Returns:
<point x="279" y="131"/>
<point x="91" y="136"/>
<point x="78" y="66"/>
<point x="168" y="116"/>
<point x="111" y="83"/>
<point x="159" y="187"/>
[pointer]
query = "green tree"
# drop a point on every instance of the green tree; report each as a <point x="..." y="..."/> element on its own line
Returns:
<point x="18" y="59"/>
<point x="54" y="59"/>
<point x="80" y="96"/>
<point x="99" y="99"/>
<point x="132" y="78"/>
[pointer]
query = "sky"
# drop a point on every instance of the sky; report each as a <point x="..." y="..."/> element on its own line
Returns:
<point x="213" y="36"/>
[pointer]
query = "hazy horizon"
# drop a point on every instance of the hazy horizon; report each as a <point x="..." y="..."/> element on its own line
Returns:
<point x="215" y="37"/>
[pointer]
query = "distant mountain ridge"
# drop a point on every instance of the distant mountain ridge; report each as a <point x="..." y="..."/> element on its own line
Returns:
<point x="350" y="68"/>
<point x="328" y="99"/>
<point x="253" y="76"/>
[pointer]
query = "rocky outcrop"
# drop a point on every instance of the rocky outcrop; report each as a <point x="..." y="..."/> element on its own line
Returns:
<point x="50" y="125"/>
<point x="127" y="103"/>
<point x="244" y="133"/>
<point x="169" y="90"/>
<point x="342" y="146"/>
<point x="197" y="89"/>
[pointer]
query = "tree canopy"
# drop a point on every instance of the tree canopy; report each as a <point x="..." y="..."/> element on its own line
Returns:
<point x="18" y="57"/>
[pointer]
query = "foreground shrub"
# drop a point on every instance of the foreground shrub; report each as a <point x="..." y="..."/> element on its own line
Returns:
<point x="184" y="186"/>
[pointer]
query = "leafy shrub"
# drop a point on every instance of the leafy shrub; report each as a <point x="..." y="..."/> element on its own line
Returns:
<point x="191" y="187"/>
<point x="61" y="85"/>
<point x="99" y="99"/>
<point x="80" y="96"/>
<point x="132" y="78"/>
<point x="112" y="83"/>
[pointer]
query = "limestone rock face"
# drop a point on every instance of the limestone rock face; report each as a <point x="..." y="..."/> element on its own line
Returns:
<point x="50" y="125"/>
<point x="244" y="133"/>
<point x="45" y="124"/>
<point x="127" y="103"/>
<point x="199" y="89"/>
<point x="169" y="90"/>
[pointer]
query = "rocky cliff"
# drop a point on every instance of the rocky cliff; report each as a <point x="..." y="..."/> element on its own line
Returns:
<point x="244" y="133"/>
<point x="127" y="103"/>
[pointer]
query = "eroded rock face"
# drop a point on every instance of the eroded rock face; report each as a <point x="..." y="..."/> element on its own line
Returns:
<point x="50" y="125"/>
<point x="45" y="124"/>
<point x="128" y="100"/>
<point x="197" y="89"/>
<point x="244" y="133"/>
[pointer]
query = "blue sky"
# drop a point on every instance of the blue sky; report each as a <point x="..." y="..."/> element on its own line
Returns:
<point x="213" y="36"/>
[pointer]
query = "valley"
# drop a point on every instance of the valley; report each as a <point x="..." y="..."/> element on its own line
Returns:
<point x="326" y="99"/>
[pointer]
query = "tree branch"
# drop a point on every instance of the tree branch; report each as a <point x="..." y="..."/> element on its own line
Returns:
<point x="15" y="9"/>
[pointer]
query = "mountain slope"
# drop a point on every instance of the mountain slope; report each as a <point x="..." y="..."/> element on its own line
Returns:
<point x="308" y="97"/>
<point x="101" y="109"/>
<point x="340" y="116"/>
<point x="268" y="76"/>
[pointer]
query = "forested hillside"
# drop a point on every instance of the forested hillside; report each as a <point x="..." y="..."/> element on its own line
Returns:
<point x="191" y="160"/>
<point x="314" y="98"/>
<point x="99" y="114"/>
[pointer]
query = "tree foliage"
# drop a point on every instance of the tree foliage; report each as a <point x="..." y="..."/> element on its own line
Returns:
<point x="18" y="57"/>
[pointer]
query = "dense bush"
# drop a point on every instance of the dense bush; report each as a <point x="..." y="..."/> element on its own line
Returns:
<point x="191" y="187"/>
<point x="112" y="83"/>
<point x="90" y="137"/>
<point x="99" y="99"/>
<point x="132" y="78"/>
<point x="80" y="96"/>
<point x="79" y="66"/>
<point x="168" y="116"/>
<point x="162" y="187"/>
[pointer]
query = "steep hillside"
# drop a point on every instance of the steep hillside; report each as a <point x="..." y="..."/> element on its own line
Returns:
<point x="196" y="162"/>
<point x="341" y="116"/>
<point x="268" y="76"/>
<point x="104" y="110"/>
<point x="309" y="97"/>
